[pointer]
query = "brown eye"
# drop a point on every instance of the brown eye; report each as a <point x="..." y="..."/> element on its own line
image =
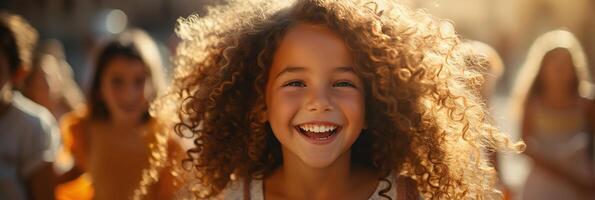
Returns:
<point x="344" y="84"/>
<point x="295" y="84"/>
<point x="139" y="82"/>
<point x="117" y="82"/>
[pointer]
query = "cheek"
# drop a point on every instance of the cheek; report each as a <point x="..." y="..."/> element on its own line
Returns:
<point x="353" y="107"/>
<point x="283" y="106"/>
<point x="109" y="93"/>
<point x="558" y="74"/>
<point x="568" y="74"/>
<point x="550" y="74"/>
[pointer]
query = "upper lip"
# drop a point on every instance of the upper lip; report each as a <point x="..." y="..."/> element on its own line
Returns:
<point x="325" y="123"/>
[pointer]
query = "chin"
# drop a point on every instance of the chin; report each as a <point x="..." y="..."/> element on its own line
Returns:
<point x="319" y="161"/>
<point x="131" y="116"/>
<point x="318" y="164"/>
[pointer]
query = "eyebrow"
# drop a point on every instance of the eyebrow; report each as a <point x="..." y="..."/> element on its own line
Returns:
<point x="345" y="69"/>
<point x="290" y="69"/>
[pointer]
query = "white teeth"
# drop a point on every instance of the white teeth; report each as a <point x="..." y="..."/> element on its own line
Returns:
<point x="317" y="128"/>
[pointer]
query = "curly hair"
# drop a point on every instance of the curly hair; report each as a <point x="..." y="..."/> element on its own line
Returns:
<point x="424" y="115"/>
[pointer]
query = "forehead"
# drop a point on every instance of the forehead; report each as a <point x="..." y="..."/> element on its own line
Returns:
<point x="311" y="44"/>
<point x="312" y="33"/>
<point x="558" y="54"/>
<point x="124" y="65"/>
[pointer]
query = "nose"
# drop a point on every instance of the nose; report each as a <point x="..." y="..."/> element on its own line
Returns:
<point x="319" y="101"/>
<point x="132" y="93"/>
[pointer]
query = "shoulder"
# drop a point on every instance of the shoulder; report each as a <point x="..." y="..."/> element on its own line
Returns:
<point x="38" y="124"/>
<point x="243" y="189"/>
<point x="74" y="122"/>
<point x="396" y="186"/>
<point x="34" y="115"/>
<point x="41" y="139"/>
<point x="234" y="190"/>
<point x="73" y="126"/>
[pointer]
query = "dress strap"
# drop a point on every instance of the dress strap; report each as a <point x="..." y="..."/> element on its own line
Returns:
<point x="406" y="189"/>
<point x="247" y="189"/>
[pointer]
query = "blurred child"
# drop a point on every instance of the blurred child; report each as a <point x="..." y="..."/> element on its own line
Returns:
<point x="113" y="137"/>
<point x="329" y="100"/>
<point x="553" y="95"/>
<point x="51" y="82"/>
<point x="29" y="135"/>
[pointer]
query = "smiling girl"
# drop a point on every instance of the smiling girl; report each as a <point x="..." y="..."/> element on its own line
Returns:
<point x="329" y="100"/>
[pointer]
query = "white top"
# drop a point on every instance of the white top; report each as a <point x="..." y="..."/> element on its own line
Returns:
<point x="29" y="137"/>
<point x="235" y="190"/>
<point x="561" y="137"/>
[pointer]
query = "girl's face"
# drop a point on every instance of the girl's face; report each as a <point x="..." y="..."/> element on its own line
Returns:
<point x="125" y="87"/>
<point x="557" y="73"/>
<point x="314" y="99"/>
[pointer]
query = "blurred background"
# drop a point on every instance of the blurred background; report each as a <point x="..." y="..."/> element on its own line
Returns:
<point x="509" y="26"/>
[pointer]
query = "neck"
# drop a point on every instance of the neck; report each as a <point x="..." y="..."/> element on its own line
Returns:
<point x="559" y="98"/>
<point x="125" y="122"/>
<point x="300" y="181"/>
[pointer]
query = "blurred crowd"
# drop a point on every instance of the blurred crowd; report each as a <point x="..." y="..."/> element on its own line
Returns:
<point x="56" y="142"/>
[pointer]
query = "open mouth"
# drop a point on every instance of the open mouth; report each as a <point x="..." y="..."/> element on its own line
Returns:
<point x="318" y="132"/>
